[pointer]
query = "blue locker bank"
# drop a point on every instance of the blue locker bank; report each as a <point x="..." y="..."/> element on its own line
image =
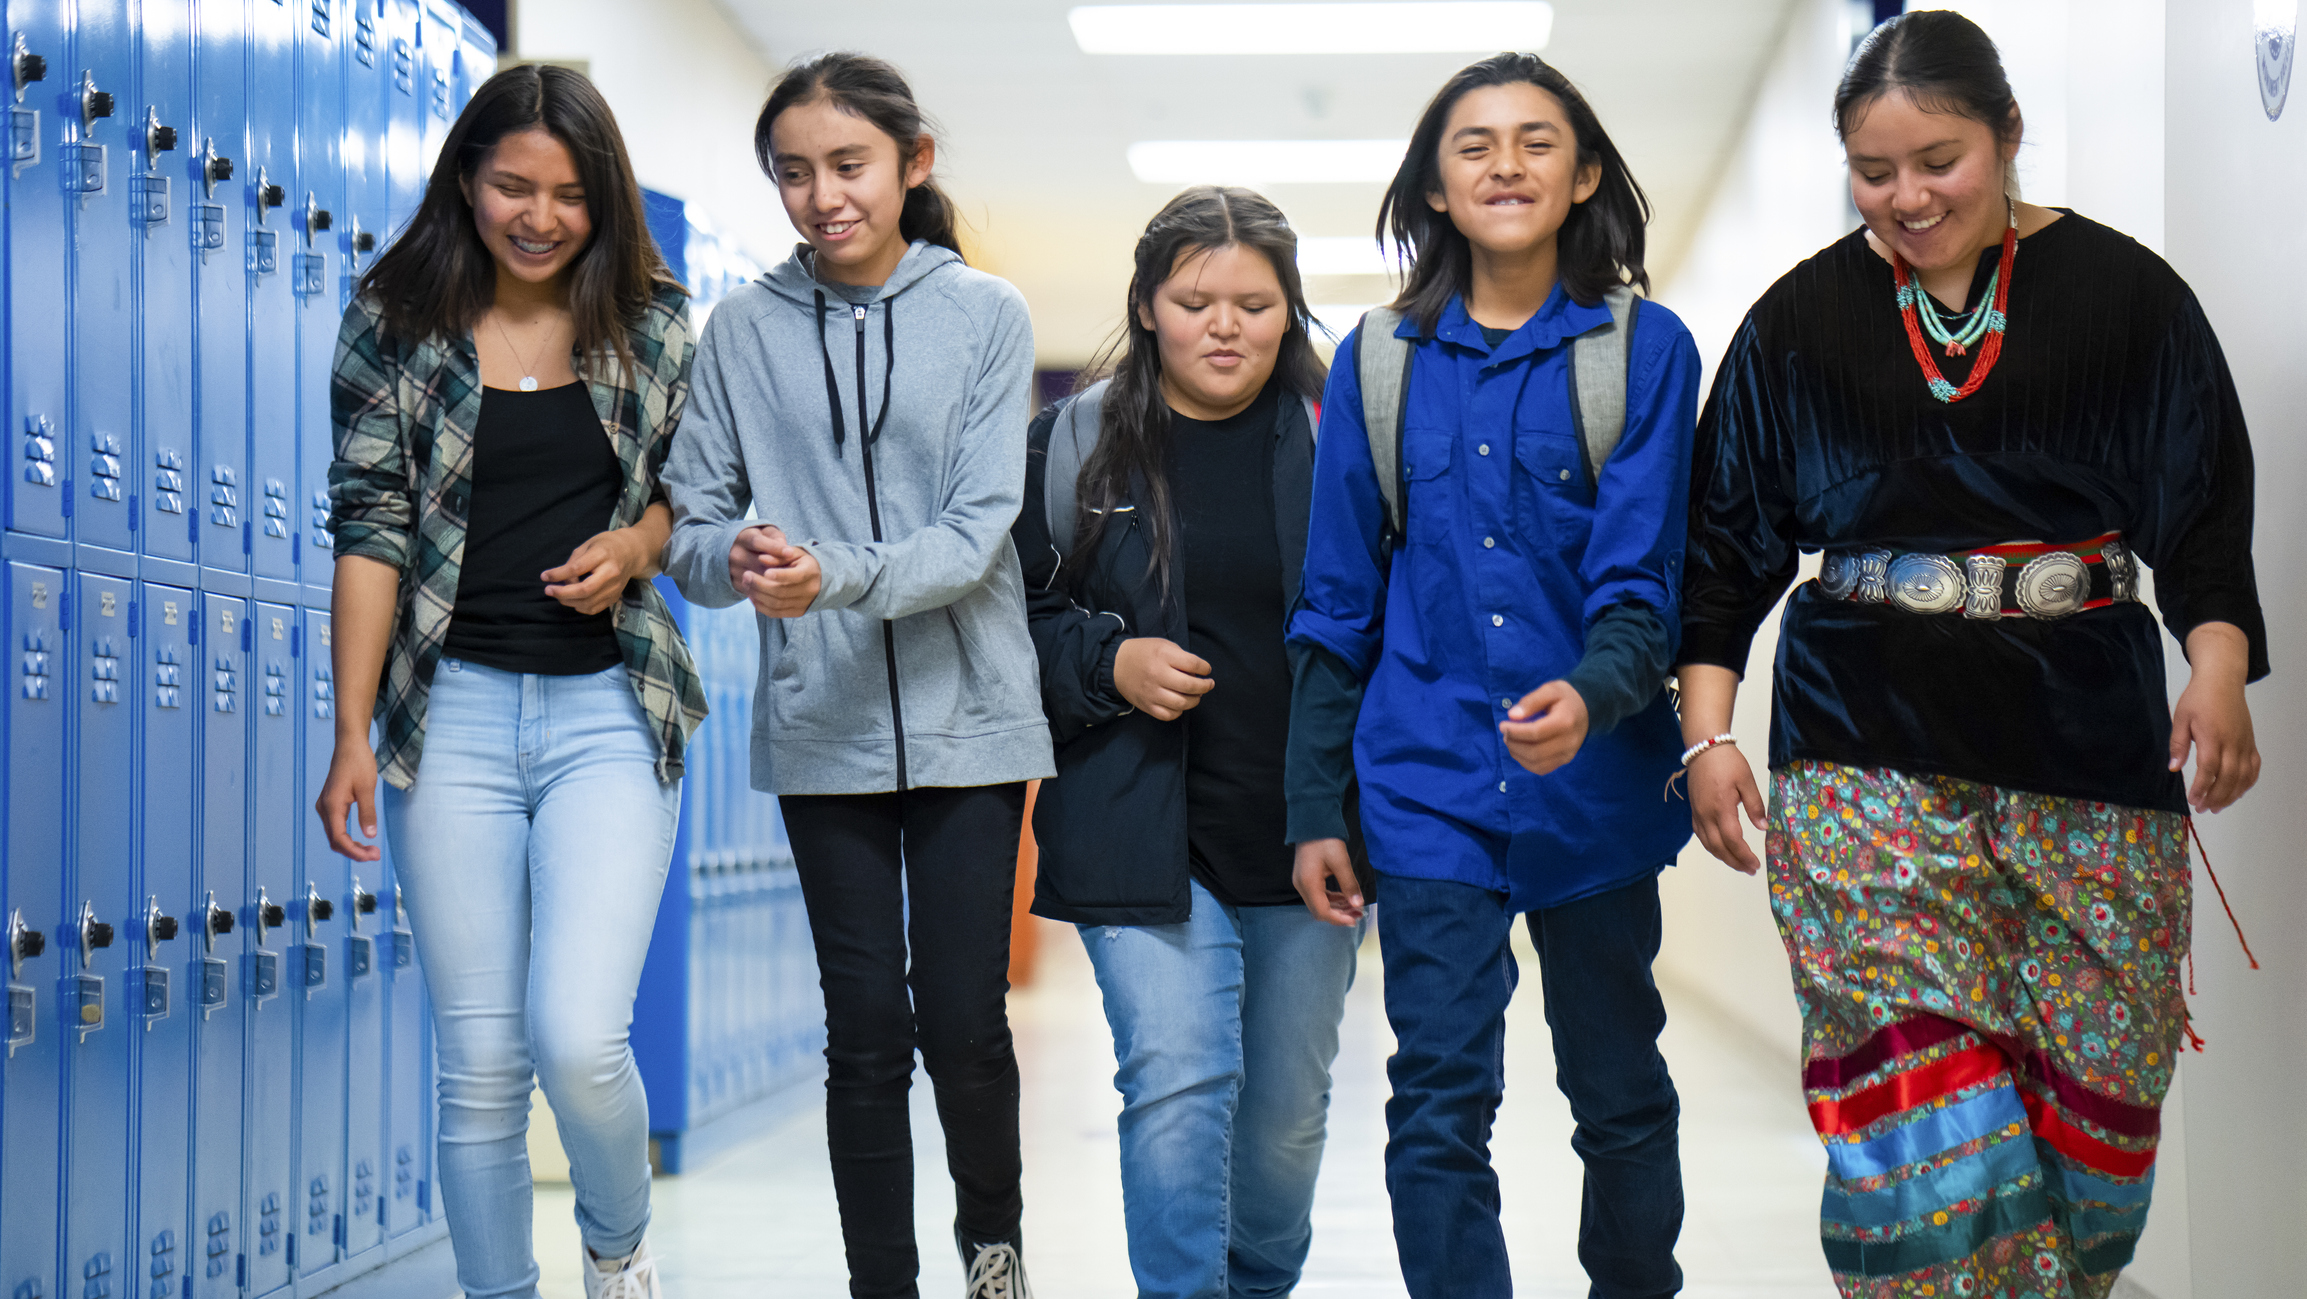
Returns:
<point x="218" y="1077"/>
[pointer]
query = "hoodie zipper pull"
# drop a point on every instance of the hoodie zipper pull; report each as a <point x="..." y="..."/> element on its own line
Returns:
<point x="857" y="313"/>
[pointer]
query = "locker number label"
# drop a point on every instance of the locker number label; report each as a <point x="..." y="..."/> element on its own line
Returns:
<point x="168" y="612"/>
<point x="39" y="595"/>
<point x="324" y="635"/>
<point x="279" y="629"/>
<point x="226" y="622"/>
<point x="110" y="602"/>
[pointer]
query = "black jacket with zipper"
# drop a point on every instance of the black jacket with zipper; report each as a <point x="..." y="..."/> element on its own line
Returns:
<point x="1112" y="826"/>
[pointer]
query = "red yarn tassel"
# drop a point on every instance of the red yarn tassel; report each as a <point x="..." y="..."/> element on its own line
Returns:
<point x="2222" y="900"/>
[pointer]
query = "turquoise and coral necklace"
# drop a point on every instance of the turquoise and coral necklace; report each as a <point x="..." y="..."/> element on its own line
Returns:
<point x="1988" y="321"/>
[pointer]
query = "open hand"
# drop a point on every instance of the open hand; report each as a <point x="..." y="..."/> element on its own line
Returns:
<point x="2212" y="719"/>
<point x="1546" y="728"/>
<point x="1159" y="678"/>
<point x="1721" y="783"/>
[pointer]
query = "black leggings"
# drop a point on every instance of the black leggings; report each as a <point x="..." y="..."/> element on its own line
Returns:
<point x="951" y="854"/>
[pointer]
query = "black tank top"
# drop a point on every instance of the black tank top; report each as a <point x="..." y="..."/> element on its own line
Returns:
<point x="544" y="480"/>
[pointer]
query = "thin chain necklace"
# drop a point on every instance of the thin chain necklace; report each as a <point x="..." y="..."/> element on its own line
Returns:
<point x="528" y="377"/>
<point x="1989" y="322"/>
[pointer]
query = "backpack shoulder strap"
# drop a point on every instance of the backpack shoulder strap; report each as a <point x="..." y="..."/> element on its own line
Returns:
<point x="1382" y="363"/>
<point x="1071" y="439"/>
<point x="1599" y="359"/>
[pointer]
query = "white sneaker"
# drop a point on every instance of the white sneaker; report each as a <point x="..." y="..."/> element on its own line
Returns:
<point x="997" y="1273"/>
<point x="631" y="1277"/>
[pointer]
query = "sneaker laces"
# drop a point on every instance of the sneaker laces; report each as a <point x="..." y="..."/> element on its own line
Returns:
<point x="997" y="1273"/>
<point x="635" y="1278"/>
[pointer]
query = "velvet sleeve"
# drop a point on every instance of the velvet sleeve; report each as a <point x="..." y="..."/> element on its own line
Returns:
<point x="1742" y="551"/>
<point x="2194" y="528"/>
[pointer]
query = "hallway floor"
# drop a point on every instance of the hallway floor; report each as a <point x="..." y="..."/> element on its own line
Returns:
<point x="761" y="1220"/>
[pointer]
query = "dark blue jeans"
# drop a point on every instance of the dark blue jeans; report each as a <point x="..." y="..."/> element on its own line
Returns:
<point x="1450" y="971"/>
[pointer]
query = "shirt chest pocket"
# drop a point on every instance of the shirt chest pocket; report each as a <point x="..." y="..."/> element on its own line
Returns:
<point x="1552" y="498"/>
<point x="1427" y="456"/>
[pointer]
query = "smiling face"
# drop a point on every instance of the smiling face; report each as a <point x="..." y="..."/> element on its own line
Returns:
<point x="843" y="181"/>
<point x="1219" y="320"/>
<point x="529" y="205"/>
<point x="1928" y="184"/>
<point x="1509" y="169"/>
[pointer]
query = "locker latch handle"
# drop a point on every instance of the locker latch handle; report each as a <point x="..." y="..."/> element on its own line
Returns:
<point x="269" y="915"/>
<point x="94" y="934"/>
<point x="363" y="241"/>
<point x="316" y="907"/>
<point x="363" y="904"/>
<point x="27" y="66"/>
<point x="94" y="103"/>
<point x="23" y="943"/>
<point x="214" y="920"/>
<point x="268" y="195"/>
<point x="158" y="928"/>
<point x="316" y="217"/>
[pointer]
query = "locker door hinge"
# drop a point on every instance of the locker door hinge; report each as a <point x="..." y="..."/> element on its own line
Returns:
<point x="64" y="611"/>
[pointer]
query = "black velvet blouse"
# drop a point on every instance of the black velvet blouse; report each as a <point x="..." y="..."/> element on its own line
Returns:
<point x="2110" y="409"/>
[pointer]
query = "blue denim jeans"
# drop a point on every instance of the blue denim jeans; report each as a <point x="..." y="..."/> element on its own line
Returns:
<point x="532" y="852"/>
<point x="1450" y="971"/>
<point x="1224" y="1030"/>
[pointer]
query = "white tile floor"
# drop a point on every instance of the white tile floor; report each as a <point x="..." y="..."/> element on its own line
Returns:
<point x="761" y="1220"/>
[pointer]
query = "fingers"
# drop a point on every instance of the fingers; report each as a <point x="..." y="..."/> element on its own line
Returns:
<point x="1541" y="700"/>
<point x="335" y="802"/>
<point x="1324" y="876"/>
<point x="1751" y="796"/>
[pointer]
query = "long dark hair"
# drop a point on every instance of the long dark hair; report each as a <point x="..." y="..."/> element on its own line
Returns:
<point x="1600" y="245"/>
<point x="1134" y="421"/>
<point x="1940" y="59"/>
<point x="438" y="278"/>
<point x="871" y="88"/>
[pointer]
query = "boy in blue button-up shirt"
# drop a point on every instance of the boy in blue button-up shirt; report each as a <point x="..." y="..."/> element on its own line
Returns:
<point x="1497" y="678"/>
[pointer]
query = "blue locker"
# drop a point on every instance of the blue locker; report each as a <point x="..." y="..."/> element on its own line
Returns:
<point x="274" y="241"/>
<point x="271" y="1198"/>
<point x="440" y="37"/>
<point x="219" y="996"/>
<point x="162" y="179"/>
<point x="476" y="61"/>
<point x="329" y="963"/>
<point x="32" y="891"/>
<point x="364" y="956"/>
<point x="96" y="154"/>
<point x="406" y="162"/>
<point x="94" y="982"/>
<point x="216" y="222"/>
<point x="164" y="936"/>
<point x="317" y="265"/>
<point x="40" y="477"/>
<point x="405" y="1183"/>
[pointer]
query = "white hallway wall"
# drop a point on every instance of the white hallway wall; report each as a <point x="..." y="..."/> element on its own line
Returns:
<point x="2143" y="115"/>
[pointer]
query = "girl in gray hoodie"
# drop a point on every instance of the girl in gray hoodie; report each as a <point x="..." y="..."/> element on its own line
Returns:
<point x="866" y="401"/>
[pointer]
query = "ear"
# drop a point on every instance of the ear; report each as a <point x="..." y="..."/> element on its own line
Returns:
<point x="924" y="161"/>
<point x="1438" y="201"/>
<point x="2008" y="144"/>
<point x="1145" y="317"/>
<point x="1589" y="180"/>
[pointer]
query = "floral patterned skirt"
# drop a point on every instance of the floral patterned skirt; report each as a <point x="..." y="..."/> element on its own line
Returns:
<point x="1990" y="1013"/>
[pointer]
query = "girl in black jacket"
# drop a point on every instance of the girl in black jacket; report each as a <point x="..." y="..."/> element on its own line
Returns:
<point x="1162" y="535"/>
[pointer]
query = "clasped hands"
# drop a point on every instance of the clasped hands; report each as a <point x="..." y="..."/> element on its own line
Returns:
<point x="781" y="579"/>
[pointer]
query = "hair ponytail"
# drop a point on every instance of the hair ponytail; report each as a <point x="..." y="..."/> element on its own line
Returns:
<point x="875" y="90"/>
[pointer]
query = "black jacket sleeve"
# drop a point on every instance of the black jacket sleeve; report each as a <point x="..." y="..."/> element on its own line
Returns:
<point x="1075" y="646"/>
<point x="1627" y="653"/>
<point x="1318" y="766"/>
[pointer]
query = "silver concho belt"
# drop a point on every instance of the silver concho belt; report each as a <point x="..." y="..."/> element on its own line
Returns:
<point x="2020" y="580"/>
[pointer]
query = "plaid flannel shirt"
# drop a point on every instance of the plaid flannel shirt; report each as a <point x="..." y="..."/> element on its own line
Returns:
<point x="402" y="482"/>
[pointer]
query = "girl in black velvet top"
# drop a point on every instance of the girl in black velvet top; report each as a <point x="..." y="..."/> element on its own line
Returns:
<point x="1988" y="415"/>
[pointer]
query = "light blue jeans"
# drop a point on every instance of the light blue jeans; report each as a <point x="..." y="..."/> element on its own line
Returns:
<point x="1224" y="1030"/>
<point x="532" y="852"/>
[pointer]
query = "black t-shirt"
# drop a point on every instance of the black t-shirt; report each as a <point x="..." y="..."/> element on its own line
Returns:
<point x="544" y="480"/>
<point x="1222" y="478"/>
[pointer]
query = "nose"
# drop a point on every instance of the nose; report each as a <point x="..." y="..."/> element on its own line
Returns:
<point x="824" y="194"/>
<point x="1225" y="321"/>
<point x="1912" y="195"/>
<point x="537" y="214"/>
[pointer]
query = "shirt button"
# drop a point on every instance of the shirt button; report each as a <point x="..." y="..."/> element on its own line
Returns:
<point x="1484" y="448"/>
<point x="1505" y="703"/>
<point x="1564" y="475"/>
<point x="1497" y="620"/>
<point x="1501" y="786"/>
<point x="1489" y="543"/>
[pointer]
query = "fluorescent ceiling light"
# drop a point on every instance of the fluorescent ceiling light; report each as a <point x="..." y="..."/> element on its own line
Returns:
<point x="1265" y="162"/>
<point x="1438" y="27"/>
<point x="1342" y="255"/>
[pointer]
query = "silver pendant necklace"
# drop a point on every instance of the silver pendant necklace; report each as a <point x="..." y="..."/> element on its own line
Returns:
<point x="528" y="380"/>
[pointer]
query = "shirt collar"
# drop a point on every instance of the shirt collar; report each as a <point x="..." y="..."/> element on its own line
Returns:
<point x="1560" y="318"/>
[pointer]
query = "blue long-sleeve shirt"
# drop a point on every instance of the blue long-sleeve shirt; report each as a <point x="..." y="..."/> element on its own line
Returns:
<point x="1511" y="557"/>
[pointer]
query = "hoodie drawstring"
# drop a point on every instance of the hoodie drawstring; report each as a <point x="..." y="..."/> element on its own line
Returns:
<point x="888" y="370"/>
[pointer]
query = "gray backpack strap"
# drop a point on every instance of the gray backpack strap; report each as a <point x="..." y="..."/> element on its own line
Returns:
<point x="1071" y="440"/>
<point x="1599" y="359"/>
<point x="1382" y="362"/>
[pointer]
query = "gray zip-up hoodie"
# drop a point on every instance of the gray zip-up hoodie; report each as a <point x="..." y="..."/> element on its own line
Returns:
<point x="884" y="430"/>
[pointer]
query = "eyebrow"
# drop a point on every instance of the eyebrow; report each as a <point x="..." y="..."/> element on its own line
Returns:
<point x="845" y="151"/>
<point x="1524" y="129"/>
<point x="1935" y="144"/>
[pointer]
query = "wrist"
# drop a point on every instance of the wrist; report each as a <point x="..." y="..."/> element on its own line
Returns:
<point x="1707" y="744"/>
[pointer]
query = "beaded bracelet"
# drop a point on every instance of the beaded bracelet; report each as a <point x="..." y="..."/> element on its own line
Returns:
<point x="1714" y="742"/>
